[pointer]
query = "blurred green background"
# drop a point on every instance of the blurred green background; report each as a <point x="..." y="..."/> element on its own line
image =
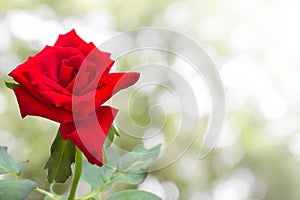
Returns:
<point x="254" y="44"/>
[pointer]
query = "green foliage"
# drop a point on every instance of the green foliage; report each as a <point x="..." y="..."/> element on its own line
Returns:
<point x="11" y="85"/>
<point x="111" y="135"/>
<point x="16" y="189"/>
<point x="62" y="156"/>
<point x="133" y="194"/>
<point x="114" y="130"/>
<point x="8" y="163"/>
<point x="132" y="168"/>
<point x="139" y="160"/>
<point x="91" y="174"/>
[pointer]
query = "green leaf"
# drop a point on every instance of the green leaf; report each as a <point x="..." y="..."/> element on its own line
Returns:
<point x="59" y="163"/>
<point x="114" y="130"/>
<point x="139" y="160"/>
<point x="112" y="157"/>
<point x="111" y="135"/>
<point x="94" y="175"/>
<point x="136" y="164"/>
<point x="8" y="164"/>
<point x="91" y="174"/>
<point x="132" y="168"/>
<point x="133" y="194"/>
<point x="11" y="85"/>
<point x="16" y="189"/>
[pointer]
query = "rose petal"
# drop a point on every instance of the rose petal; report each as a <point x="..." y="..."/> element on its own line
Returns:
<point x="87" y="103"/>
<point x="65" y="74"/>
<point x="83" y="78"/>
<point x="87" y="48"/>
<point x="70" y="39"/>
<point x="114" y="83"/>
<point x="52" y="61"/>
<point x="76" y="61"/>
<point x="29" y="105"/>
<point x="89" y="135"/>
<point x="39" y="74"/>
<point x="100" y="68"/>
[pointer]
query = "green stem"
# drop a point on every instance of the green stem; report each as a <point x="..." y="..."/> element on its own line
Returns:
<point x="78" y="168"/>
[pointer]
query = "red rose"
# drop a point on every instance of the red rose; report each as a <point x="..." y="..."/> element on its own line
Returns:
<point x="70" y="81"/>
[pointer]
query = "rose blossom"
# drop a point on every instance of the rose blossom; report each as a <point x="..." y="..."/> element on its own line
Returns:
<point x="72" y="74"/>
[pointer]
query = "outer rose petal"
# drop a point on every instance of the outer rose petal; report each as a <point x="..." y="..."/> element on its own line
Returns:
<point x="114" y="83"/>
<point x="89" y="135"/>
<point x="47" y="63"/>
<point x="39" y="74"/>
<point x="29" y="105"/>
<point x="70" y="39"/>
